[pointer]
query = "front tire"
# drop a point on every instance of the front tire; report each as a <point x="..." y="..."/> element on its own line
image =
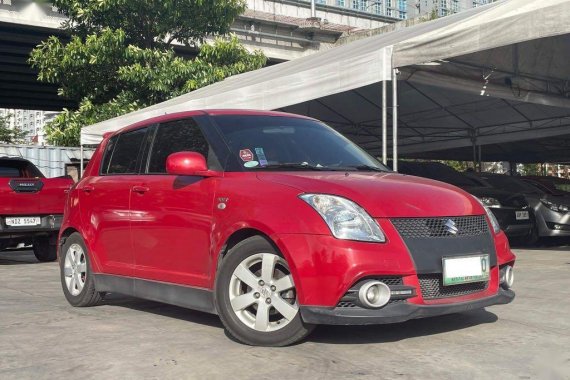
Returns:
<point x="44" y="250"/>
<point x="256" y="297"/>
<point x="75" y="273"/>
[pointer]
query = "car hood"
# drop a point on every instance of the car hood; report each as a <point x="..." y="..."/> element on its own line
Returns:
<point x="384" y="194"/>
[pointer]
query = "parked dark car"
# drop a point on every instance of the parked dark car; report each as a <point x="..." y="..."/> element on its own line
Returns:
<point x="511" y="209"/>
<point x="551" y="207"/>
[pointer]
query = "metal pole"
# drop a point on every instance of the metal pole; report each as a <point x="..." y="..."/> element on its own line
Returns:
<point x="395" y="119"/>
<point x="384" y="122"/>
<point x="313" y="9"/>
<point x="80" y="162"/>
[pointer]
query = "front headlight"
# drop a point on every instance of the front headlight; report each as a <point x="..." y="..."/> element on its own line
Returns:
<point x="490" y="202"/>
<point x="345" y="219"/>
<point x="554" y="206"/>
<point x="491" y="216"/>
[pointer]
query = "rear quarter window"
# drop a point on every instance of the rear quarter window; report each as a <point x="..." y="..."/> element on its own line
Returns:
<point x="122" y="153"/>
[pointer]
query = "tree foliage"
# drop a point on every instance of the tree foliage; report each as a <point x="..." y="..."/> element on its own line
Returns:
<point x="10" y="135"/>
<point x="120" y="56"/>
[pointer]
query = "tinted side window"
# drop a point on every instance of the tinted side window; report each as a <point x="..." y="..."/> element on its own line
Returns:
<point x="124" y="157"/>
<point x="178" y="136"/>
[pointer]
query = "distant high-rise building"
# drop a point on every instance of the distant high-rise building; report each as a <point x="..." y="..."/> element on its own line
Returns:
<point x="441" y="8"/>
<point x="30" y="121"/>
<point x="396" y="9"/>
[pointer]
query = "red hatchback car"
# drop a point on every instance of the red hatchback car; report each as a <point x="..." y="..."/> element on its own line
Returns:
<point x="276" y="223"/>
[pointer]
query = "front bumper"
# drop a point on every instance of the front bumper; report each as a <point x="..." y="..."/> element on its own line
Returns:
<point x="506" y="216"/>
<point x="397" y="312"/>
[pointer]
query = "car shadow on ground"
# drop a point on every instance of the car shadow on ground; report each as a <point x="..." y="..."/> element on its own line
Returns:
<point x="18" y="257"/>
<point x="401" y="331"/>
<point x="325" y="334"/>
<point x="162" y="309"/>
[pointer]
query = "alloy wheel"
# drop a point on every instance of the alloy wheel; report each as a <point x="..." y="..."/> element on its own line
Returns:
<point x="262" y="292"/>
<point x="75" y="269"/>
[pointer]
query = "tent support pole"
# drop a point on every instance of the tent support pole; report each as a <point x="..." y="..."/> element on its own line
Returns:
<point x="80" y="162"/>
<point x="480" y="167"/>
<point x="384" y="123"/>
<point x="395" y="119"/>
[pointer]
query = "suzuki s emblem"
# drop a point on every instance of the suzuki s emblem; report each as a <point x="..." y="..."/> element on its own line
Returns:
<point x="450" y="227"/>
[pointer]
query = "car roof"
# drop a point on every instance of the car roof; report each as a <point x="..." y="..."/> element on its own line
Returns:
<point x="210" y="112"/>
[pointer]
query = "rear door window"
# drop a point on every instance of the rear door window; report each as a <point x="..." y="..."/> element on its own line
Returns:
<point x="124" y="153"/>
<point x="177" y="136"/>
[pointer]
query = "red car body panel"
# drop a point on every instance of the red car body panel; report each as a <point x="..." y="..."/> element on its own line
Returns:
<point x="178" y="231"/>
<point x="49" y="200"/>
<point x="46" y="200"/>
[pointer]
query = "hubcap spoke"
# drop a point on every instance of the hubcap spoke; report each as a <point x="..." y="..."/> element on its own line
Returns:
<point x="286" y="309"/>
<point x="67" y="271"/>
<point x="243" y="301"/>
<point x="72" y="284"/>
<point x="268" y="261"/>
<point x="81" y="267"/>
<point x="78" y="282"/>
<point x="245" y="275"/>
<point x="262" y="317"/>
<point x="284" y="283"/>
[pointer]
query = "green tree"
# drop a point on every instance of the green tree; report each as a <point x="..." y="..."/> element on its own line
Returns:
<point x="10" y="135"/>
<point x="121" y="57"/>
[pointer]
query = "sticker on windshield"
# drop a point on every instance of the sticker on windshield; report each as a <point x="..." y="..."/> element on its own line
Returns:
<point x="251" y="164"/>
<point x="261" y="156"/>
<point x="246" y="155"/>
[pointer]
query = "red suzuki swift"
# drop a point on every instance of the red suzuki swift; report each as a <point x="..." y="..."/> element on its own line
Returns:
<point x="276" y="223"/>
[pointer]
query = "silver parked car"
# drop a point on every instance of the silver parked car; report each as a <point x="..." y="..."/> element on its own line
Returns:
<point x="551" y="208"/>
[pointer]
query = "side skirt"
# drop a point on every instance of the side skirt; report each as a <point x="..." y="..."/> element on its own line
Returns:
<point x="179" y="295"/>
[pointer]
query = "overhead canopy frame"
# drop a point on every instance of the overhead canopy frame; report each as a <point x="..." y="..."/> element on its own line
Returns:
<point x="496" y="73"/>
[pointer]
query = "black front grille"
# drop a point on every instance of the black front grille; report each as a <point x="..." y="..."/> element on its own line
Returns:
<point x="432" y="287"/>
<point x="446" y="227"/>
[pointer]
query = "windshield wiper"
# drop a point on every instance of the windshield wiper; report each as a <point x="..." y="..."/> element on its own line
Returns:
<point x="292" y="165"/>
<point x="366" y="168"/>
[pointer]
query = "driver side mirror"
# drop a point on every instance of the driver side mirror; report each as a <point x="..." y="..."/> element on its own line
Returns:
<point x="189" y="164"/>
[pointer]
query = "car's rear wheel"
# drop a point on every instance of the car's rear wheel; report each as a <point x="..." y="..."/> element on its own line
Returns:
<point x="256" y="296"/>
<point x="45" y="249"/>
<point x="75" y="272"/>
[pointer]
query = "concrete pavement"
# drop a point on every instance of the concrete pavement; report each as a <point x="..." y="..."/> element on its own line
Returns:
<point x="42" y="337"/>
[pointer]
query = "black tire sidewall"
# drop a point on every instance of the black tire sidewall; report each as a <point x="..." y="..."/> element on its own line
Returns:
<point x="43" y="250"/>
<point x="294" y="331"/>
<point x="83" y="298"/>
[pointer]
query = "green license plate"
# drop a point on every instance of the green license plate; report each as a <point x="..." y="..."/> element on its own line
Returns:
<point x="465" y="269"/>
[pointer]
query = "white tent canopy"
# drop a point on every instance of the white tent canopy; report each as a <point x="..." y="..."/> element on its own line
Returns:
<point x="502" y="66"/>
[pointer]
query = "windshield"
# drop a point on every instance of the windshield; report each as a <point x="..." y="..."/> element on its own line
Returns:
<point x="289" y="143"/>
<point x="439" y="172"/>
<point x="515" y="185"/>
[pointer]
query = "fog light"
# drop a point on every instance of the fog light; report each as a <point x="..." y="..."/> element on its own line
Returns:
<point x="557" y="227"/>
<point x="507" y="277"/>
<point x="374" y="294"/>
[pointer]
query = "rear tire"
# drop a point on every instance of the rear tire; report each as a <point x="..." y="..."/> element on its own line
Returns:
<point x="75" y="273"/>
<point x="43" y="250"/>
<point x="269" y="314"/>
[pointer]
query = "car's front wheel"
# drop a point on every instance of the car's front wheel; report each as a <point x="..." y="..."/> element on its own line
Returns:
<point x="75" y="272"/>
<point x="256" y="296"/>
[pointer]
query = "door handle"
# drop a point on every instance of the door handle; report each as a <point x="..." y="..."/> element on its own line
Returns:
<point x="140" y="189"/>
<point x="87" y="188"/>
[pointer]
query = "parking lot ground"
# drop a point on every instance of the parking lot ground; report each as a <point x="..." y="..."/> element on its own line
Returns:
<point x="41" y="336"/>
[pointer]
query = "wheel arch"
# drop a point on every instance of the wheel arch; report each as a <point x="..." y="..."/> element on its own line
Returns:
<point x="67" y="232"/>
